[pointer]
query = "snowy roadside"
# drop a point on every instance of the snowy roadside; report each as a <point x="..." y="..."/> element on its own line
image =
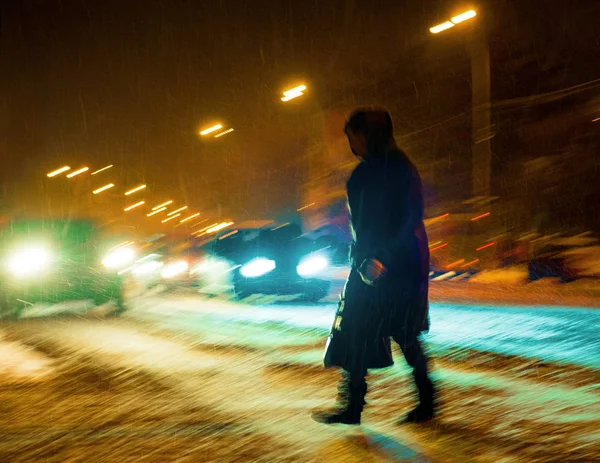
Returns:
<point x="505" y="286"/>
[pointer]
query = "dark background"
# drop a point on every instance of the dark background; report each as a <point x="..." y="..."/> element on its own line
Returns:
<point x="130" y="82"/>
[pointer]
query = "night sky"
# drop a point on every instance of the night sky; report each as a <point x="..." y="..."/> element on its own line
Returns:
<point x="130" y="83"/>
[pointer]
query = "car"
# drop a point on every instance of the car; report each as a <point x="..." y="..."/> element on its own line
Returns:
<point x="566" y="258"/>
<point x="273" y="261"/>
<point x="55" y="260"/>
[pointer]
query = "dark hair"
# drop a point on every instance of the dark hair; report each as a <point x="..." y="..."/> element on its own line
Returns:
<point x="375" y="124"/>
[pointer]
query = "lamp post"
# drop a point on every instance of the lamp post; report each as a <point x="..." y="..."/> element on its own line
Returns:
<point x="481" y="134"/>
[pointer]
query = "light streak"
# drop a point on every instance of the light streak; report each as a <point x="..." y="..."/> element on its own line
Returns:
<point x="103" y="188"/>
<point x="133" y="206"/>
<point x="56" y="172"/>
<point x="137" y="188"/>
<point x="101" y="170"/>
<point x="77" y="172"/>
<point x="156" y="211"/>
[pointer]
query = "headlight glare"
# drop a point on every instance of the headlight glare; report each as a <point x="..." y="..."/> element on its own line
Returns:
<point x="29" y="261"/>
<point x="119" y="258"/>
<point x="146" y="268"/>
<point x="312" y="265"/>
<point x="257" y="267"/>
<point x="173" y="269"/>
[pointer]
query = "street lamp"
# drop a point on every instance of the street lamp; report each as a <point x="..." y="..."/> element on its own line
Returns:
<point x="156" y="211"/>
<point x="170" y="218"/>
<point x="225" y="132"/>
<point x="162" y="205"/>
<point x="134" y="190"/>
<point x="190" y="217"/>
<point x="211" y="129"/>
<point x="455" y="20"/>
<point x="78" y="171"/>
<point x="481" y="135"/>
<point x="133" y="206"/>
<point x="56" y="172"/>
<point x="101" y="170"/>
<point x="293" y="93"/>
<point x="103" y="188"/>
<point x="178" y="210"/>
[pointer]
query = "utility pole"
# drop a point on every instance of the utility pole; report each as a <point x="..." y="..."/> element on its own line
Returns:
<point x="481" y="153"/>
<point x="481" y="134"/>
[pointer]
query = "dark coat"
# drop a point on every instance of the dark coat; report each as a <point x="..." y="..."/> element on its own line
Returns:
<point x="386" y="213"/>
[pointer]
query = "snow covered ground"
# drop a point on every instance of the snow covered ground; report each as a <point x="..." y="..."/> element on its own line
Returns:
<point x="183" y="378"/>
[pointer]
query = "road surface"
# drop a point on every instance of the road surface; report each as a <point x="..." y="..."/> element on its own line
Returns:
<point x="181" y="378"/>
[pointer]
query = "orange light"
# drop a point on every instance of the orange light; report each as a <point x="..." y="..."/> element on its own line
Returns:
<point x="293" y="93"/>
<point x="305" y="207"/>
<point x="178" y="210"/>
<point x="441" y="27"/>
<point x="438" y="247"/>
<point x="77" y="172"/>
<point x="485" y="246"/>
<point x="170" y="218"/>
<point x="469" y="263"/>
<point x="219" y="227"/>
<point x="219" y="135"/>
<point x="480" y="216"/>
<point x="156" y="211"/>
<point x="464" y="16"/>
<point x="190" y="217"/>
<point x="133" y="206"/>
<point x="227" y="235"/>
<point x="454" y="264"/>
<point x="137" y="188"/>
<point x="212" y="129"/>
<point x="161" y="205"/>
<point x="54" y="173"/>
<point x="103" y="188"/>
<point x="205" y="228"/>
<point x="101" y="170"/>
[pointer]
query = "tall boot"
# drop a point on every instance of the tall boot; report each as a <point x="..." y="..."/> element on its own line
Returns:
<point x="426" y="409"/>
<point x="351" y="401"/>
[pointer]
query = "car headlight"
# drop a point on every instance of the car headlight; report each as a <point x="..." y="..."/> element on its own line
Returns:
<point x="119" y="258"/>
<point x="210" y="265"/>
<point x="30" y="261"/>
<point x="257" y="267"/>
<point x="174" y="268"/>
<point x="312" y="265"/>
<point x="146" y="268"/>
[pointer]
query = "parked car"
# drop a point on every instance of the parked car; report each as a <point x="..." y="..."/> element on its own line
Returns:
<point x="566" y="258"/>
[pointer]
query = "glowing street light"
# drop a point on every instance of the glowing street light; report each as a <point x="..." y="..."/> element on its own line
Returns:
<point x="103" y="188"/>
<point x="77" y="172"/>
<point x="56" y="172"/>
<point x="212" y="129"/>
<point x="293" y="93"/>
<point x="481" y="134"/>
<point x="219" y="227"/>
<point x="101" y="170"/>
<point x="133" y="206"/>
<point x="162" y="205"/>
<point x="170" y="218"/>
<point x="137" y="188"/>
<point x="464" y="16"/>
<point x="178" y="210"/>
<point x="190" y="217"/>
<point x="219" y="135"/>
<point x="455" y="20"/>
<point x="156" y="211"/>
<point x="441" y="27"/>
